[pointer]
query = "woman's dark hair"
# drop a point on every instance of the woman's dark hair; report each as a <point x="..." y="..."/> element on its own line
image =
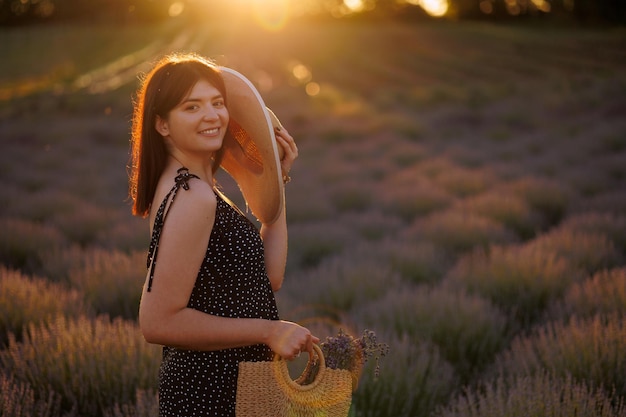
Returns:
<point x="162" y="89"/>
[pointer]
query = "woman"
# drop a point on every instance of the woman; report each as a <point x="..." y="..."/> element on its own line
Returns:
<point x="208" y="297"/>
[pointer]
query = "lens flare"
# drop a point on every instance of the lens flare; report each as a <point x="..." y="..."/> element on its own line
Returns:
<point x="354" y="5"/>
<point x="271" y="14"/>
<point x="176" y="9"/>
<point x="435" y="8"/>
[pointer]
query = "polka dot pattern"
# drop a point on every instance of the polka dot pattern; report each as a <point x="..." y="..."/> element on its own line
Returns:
<point x="232" y="282"/>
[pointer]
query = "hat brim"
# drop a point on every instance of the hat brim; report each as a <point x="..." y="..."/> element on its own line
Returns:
<point x="251" y="154"/>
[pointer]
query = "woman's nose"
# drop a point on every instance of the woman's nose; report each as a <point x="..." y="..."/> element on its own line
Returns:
<point x="210" y="113"/>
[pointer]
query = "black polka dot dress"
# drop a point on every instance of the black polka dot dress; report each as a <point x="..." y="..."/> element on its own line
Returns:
<point x="232" y="282"/>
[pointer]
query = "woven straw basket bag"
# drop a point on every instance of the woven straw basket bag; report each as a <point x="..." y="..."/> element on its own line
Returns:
<point x="265" y="389"/>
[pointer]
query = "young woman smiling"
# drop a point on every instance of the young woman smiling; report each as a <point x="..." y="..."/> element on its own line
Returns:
<point x="209" y="292"/>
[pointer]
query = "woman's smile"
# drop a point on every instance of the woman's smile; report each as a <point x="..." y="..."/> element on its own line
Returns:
<point x="210" y="132"/>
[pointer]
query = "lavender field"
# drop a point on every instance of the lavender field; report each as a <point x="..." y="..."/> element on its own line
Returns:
<point x="461" y="191"/>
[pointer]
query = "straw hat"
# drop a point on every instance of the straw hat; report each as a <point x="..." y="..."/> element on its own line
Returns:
<point x="251" y="155"/>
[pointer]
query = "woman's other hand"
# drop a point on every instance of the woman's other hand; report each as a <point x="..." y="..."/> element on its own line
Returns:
<point x="288" y="339"/>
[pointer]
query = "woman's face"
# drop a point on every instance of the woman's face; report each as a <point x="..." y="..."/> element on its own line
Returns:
<point x="197" y="124"/>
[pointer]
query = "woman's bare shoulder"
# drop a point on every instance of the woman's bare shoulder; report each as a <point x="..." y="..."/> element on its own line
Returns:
<point x="197" y="200"/>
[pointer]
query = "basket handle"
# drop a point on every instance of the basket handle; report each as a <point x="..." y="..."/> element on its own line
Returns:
<point x="317" y="351"/>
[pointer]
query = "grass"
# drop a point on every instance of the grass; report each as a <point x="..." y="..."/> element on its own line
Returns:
<point x="462" y="195"/>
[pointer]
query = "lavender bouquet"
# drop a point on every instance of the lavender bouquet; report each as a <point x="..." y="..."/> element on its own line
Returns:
<point x="346" y="352"/>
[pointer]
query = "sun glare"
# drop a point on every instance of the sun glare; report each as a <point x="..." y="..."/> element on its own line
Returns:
<point x="271" y="14"/>
<point x="354" y="5"/>
<point x="176" y="8"/>
<point x="435" y="8"/>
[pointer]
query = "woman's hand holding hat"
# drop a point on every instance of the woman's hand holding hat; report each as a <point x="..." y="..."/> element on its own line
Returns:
<point x="288" y="151"/>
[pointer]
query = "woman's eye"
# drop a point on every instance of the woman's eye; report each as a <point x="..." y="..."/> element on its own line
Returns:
<point x="219" y="103"/>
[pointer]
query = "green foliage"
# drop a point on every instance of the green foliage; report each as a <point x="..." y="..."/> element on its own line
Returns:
<point x="416" y="262"/>
<point x="310" y="244"/>
<point x="307" y="204"/>
<point x="459" y="232"/>
<point x="25" y="300"/>
<point x="58" y="262"/>
<point x="590" y="350"/>
<point x="540" y="395"/>
<point x="408" y="197"/>
<point x="521" y="280"/>
<point x="373" y="225"/>
<point x="21" y="241"/>
<point x="18" y="399"/>
<point x="111" y="281"/>
<point x="588" y="251"/>
<point x="463" y="182"/>
<point x="344" y="282"/>
<point x="92" y="363"/>
<point x="603" y="295"/>
<point x="124" y="234"/>
<point x="467" y="329"/>
<point x="83" y="223"/>
<point x="39" y="206"/>
<point x="549" y="198"/>
<point x="351" y="199"/>
<point x="414" y="379"/>
<point x="610" y="203"/>
<point x="506" y="208"/>
<point x="609" y="224"/>
<point x="146" y="405"/>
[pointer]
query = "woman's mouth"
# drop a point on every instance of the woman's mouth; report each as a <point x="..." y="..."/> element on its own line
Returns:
<point x="212" y="131"/>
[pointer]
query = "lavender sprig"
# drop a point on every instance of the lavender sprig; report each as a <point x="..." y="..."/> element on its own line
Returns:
<point x="372" y="349"/>
<point x="345" y="352"/>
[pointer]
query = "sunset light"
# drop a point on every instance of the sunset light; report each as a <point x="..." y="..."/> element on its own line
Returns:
<point x="436" y="8"/>
<point x="176" y="9"/>
<point x="449" y="179"/>
<point x="354" y="5"/>
<point x="274" y="15"/>
<point x="271" y="14"/>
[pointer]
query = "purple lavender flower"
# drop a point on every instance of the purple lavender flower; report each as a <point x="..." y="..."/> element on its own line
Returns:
<point x="345" y="352"/>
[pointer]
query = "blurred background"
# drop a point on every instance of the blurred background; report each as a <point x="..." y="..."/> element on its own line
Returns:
<point x="19" y="12"/>
<point x="460" y="190"/>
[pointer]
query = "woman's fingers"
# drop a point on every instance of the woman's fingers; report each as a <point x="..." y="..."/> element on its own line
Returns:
<point x="290" y="149"/>
<point x="291" y="339"/>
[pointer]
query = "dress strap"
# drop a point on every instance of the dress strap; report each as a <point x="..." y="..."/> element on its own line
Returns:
<point x="181" y="180"/>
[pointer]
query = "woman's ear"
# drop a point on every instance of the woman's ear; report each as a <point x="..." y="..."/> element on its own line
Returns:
<point x="161" y="126"/>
